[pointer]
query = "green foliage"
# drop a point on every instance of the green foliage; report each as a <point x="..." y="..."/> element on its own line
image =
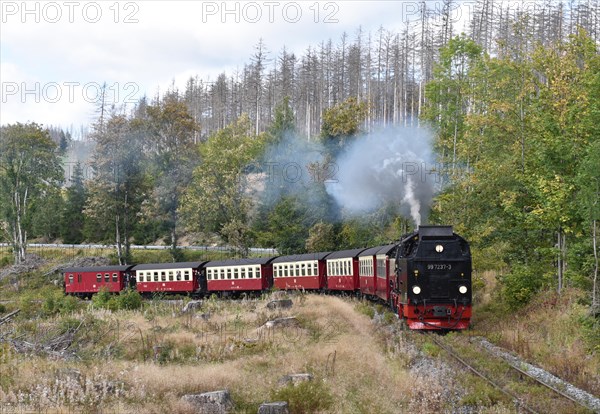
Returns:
<point x="357" y="233"/>
<point x="54" y="301"/>
<point x="366" y="309"/>
<point x="120" y="186"/>
<point x="341" y="122"/>
<point x="127" y="300"/>
<point x="73" y="219"/>
<point x="173" y="131"/>
<point x="306" y="397"/>
<point x="44" y="220"/>
<point x="283" y="122"/>
<point x="286" y="227"/>
<point x="514" y="132"/>
<point x="321" y="238"/>
<point x="519" y="286"/>
<point x="2" y="308"/>
<point x="430" y="349"/>
<point x="217" y="195"/>
<point x="29" y="171"/>
<point x="102" y="299"/>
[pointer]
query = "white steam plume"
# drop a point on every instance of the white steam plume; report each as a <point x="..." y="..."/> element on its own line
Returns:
<point x="392" y="165"/>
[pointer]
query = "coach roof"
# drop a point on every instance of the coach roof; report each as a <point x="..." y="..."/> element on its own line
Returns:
<point x="97" y="269"/>
<point x="240" y="262"/>
<point x="387" y="249"/>
<point x="301" y="257"/>
<point x="160" y="266"/>
<point x="345" y="253"/>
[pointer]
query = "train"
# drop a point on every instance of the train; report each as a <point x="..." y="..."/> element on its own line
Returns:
<point x="425" y="277"/>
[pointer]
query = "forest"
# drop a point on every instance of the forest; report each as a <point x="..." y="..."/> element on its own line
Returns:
<point x="511" y="110"/>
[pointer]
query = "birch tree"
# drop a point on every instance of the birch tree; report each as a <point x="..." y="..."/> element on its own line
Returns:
<point x="29" y="170"/>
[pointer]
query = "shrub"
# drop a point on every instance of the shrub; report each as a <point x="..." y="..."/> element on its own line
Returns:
<point x="519" y="286"/>
<point x="129" y="299"/>
<point x="102" y="298"/>
<point x="306" y="397"/>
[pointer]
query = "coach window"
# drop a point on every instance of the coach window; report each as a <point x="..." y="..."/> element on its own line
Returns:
<point x="78" y="277"/>
<point x="115" y="277"/>
<point x="70" y="278"/>
<point x="178" y="275"/>
<point x="186" y="275"/>
<point x="236" y="273"/>
<point x="243" y="273"/>
<point x="229" y="273"/>
<point x="257" y="272"/>
<point x="107" y="277"/>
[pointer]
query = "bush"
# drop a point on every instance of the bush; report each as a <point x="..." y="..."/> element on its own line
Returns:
<point x="2" y="308"/>
<point x="126" y="300"/>
<point x="519" y="286"/>
<point x="129" y="300"/>
<point x="306" y="397"/>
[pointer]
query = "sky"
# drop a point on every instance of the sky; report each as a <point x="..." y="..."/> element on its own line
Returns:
<point x="54" y="55"/>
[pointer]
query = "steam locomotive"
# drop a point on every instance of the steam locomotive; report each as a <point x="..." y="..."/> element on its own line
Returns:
<point x="425" y="278"/>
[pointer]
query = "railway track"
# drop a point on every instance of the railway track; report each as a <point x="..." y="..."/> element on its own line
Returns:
<point x="529" y="393"/>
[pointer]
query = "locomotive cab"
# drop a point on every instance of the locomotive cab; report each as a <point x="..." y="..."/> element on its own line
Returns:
<point x="433" y="279"/>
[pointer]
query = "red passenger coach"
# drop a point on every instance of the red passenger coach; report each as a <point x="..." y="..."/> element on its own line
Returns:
<point x="85" y="281"/>
<point x="342" y="270"/>
<point x="366" y="271"/>
<point x="241" y="275"/>
<point x="385" y="271"/>
<point x="184" y="277"/>
<point x="302" y="271"/>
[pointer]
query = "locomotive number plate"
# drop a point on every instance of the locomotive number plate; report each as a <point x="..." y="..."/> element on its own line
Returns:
<point x="439" y="266"/>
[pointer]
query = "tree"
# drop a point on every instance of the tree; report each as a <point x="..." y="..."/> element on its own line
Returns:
<point x="173" y="158"/>
<point x="119" y="187"/>
<point x="321" y="238"/>
<point x="342" y="121"/>
<point x="219" y="194"/>
<point x="73" y="219"/>
<point x="589" y="197"/>
<point x="29" y="170"/>
<point x="286" y="227"/>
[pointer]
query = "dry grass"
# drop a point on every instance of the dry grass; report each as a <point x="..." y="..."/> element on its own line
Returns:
<point x="145" y="361"/>
<point x="548" y="332"/>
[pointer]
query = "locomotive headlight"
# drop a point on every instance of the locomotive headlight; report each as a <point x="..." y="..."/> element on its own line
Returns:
<point x="462" y="289"/>
<point x="416" y="290"/>
<point x="439" y="248"/>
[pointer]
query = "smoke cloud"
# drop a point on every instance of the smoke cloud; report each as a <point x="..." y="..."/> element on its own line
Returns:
<point x="392" y="165"/>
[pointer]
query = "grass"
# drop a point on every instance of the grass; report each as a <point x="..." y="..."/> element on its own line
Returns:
<point x="145" y="360"/>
